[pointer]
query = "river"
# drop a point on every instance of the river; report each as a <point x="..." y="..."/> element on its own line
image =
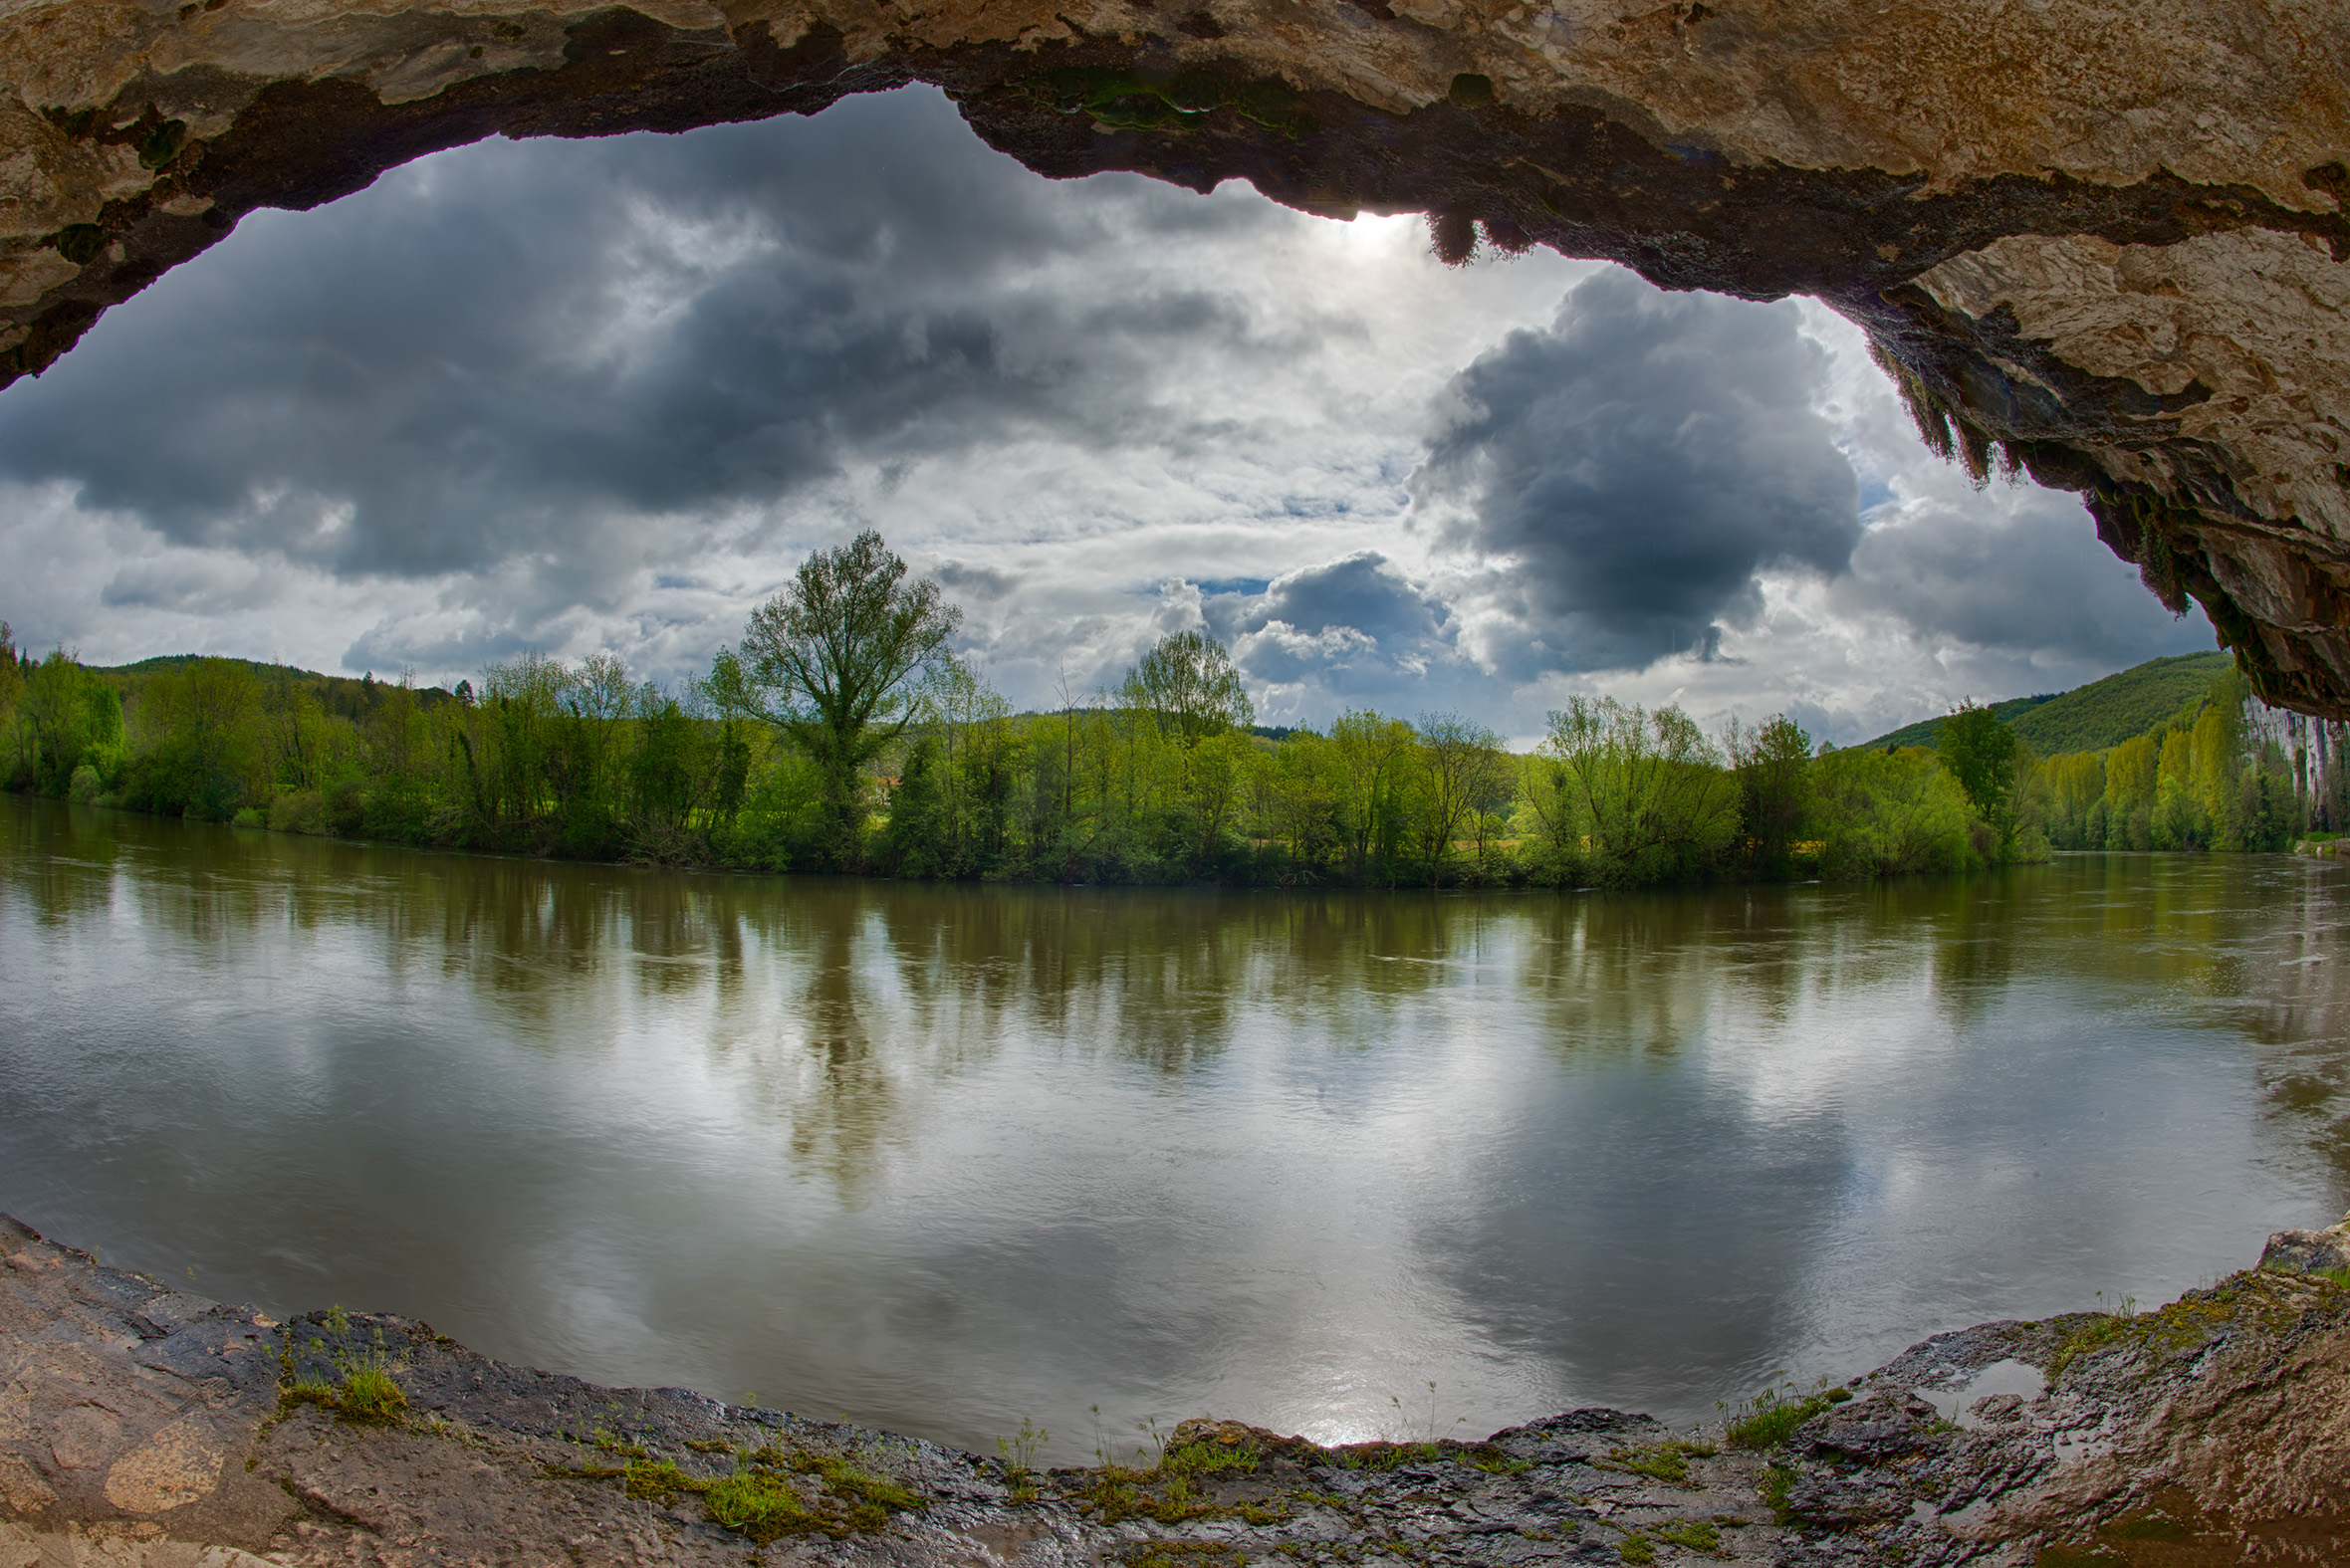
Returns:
<point x="1350" y="1164"/>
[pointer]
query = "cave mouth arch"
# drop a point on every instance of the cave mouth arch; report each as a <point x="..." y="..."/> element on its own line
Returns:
<point x="568" y="367"/>
<point x="2158" y="325"/>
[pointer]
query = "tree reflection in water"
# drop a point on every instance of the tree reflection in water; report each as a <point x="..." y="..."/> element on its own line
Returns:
<point x="941" y="1157"/>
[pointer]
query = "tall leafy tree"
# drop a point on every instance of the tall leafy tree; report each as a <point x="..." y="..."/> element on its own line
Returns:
<point x="1887" y="813"/>
<point x="1467" y="772"/>
<point x="1375" y="755"/>
<point x="834" y="658"/>
<point x="1772" y="762"/>
<point x="1979" y="751"/>
<point x="11" y="676"/>
<point x="1188" y="686"/>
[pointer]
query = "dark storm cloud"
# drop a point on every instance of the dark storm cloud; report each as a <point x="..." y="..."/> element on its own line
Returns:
<point x="475" y="361"/>
<point x="1634" y="466"/>
<point x="1363" y="591"/>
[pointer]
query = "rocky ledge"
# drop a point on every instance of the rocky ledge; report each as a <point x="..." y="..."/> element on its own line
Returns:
<point x="145" y="1428"/>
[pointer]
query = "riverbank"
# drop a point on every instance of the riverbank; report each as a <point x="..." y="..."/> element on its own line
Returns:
<point x="142" y="1427"/>
<point x="1496" y="865"/>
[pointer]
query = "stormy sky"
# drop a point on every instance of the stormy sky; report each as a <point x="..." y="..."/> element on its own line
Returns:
<point x="581" y="397"/>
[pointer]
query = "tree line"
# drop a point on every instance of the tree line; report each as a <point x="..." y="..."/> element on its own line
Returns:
<point x="842" y="734"/>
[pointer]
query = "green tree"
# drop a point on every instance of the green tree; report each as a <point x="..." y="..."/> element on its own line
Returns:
<point x="11" y="675"/>
<point x="834" y="659"/>
<point x="2130" y="768"/>
<point x="404" y="780"/>
<point x="668" y="775"/>
<point x="1885" y="814"/>
<point x="1296" y="803"/>
<point x="66" y="720"/>
<point x="584" y="763"/>
<point x="1220" y="777"/>
<point x="507" y="746"/>
<point x="969" y="720"/>
<point x="728" y="695"/>
<point x="1772" y="762"/>
<point x="1188" y="686"/>
<point x="1979" y="751"/>
<point x="1465" y="772"/>
<point x="204" y="736"/>
<point x="914" y="843"/>
<point x="1375" y="756"/>
<point x="2076" y="790"/>
<point x="1633" y="795"/>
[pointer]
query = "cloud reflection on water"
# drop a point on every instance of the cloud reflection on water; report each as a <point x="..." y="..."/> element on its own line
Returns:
<point x="939" y="1158"/>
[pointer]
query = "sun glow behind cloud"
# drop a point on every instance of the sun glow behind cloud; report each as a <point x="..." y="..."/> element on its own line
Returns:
<point x="603" y="395"/>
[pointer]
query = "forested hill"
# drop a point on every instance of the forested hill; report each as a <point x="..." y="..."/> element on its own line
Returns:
<point x="2093" y="717"/>
<point x="1926" y="731"/>
<point x="349" y="697"/>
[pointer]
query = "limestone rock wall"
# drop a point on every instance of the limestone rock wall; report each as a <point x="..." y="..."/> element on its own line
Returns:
<point x="2105" y="241"/>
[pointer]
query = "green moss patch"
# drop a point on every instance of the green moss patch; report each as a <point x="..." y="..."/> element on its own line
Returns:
<point x="1667" y="1462"/>
<point x="2264" y="1301"/>
<point x="760" y="1499"/>
<point x="1696" y="1534"/>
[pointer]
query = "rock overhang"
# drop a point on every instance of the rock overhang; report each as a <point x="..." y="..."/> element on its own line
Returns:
<point x="2104" y="244"/>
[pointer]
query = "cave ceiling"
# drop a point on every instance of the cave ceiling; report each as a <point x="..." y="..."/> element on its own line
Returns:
<point x="2106" y="242"/>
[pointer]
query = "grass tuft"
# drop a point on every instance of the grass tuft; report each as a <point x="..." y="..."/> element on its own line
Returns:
<point x="1770" y="1417"/>
<point x="1209" y="1458"/>
<point x="1778" y="1481"/>
<point x="759" y="1504"/>
<point x="369" y="1394"/>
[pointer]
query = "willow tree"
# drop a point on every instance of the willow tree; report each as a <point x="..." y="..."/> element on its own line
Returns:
<point x="1631" y="795"/>
<point x="835" y="660"/>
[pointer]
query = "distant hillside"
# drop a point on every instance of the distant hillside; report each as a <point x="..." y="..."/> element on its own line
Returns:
<point x="1926" y="731"/>
<point x="2093" y="717"/>
<point x="2105" y="713"/>
<point x="342" y="693"/>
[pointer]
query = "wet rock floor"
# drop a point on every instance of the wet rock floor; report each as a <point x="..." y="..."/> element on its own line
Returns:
<point x="145" y="1428"/>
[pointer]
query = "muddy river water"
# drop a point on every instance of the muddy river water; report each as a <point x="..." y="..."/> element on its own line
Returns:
<point x="1349" y="1164"/>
